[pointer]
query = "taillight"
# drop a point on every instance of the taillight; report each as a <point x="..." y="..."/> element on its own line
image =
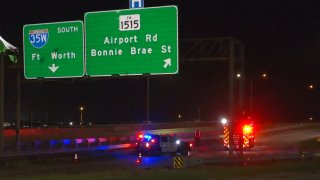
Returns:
<point x="190" y="145"/>
<point x="139" y="160"/>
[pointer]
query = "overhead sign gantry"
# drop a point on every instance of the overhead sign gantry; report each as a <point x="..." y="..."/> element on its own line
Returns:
<point x="121" y="42"/>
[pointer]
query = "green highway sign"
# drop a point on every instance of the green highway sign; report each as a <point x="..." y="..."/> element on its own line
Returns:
<point x="53" y="50"/>
<point x="132" y="42"/>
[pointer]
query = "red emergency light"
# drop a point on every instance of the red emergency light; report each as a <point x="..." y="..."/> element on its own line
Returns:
<point x="247" y="129"/>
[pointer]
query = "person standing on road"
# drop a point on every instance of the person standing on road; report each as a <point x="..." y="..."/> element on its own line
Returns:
<point x="197" y="136"/>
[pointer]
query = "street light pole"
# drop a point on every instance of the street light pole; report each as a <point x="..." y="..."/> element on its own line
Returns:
<point x="263" y="76"/>
<point x="251" y="97"/>
<point x="81" y="118"/>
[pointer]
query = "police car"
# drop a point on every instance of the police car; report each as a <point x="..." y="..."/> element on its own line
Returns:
<point x="154" y="144"/>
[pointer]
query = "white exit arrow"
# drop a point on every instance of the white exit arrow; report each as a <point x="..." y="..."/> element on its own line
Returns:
<point x="167" y="62"/>
<point x="53" y="68"/>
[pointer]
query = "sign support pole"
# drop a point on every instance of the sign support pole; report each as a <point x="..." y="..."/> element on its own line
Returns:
<point x="1" y="103"/>
<point x="148" y="98"/>
<point x="231" y="95"/>
<point x="18" y="112"/>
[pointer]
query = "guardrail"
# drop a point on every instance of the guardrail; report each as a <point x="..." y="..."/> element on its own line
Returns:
<point x="57" y="140"/>
<point x="93" y="137"/>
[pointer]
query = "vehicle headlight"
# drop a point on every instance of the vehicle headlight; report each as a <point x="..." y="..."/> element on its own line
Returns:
<point x="147" y="145"/>
<point x="177" y="141"/>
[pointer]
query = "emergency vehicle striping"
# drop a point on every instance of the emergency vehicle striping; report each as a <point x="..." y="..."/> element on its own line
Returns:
<point x="246" y="142"/>
<point x="178" y="162"/>
<point x="226" y="135"/>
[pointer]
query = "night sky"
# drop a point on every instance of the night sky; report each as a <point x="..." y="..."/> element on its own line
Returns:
<point x="281" y="39"/>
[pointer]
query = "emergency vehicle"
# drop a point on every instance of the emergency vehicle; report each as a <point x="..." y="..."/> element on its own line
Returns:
<point x="244" y="133"/>
<point x="154" y="144"/>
